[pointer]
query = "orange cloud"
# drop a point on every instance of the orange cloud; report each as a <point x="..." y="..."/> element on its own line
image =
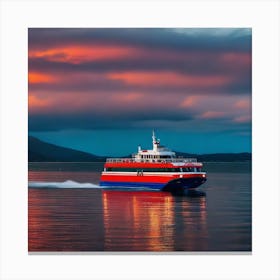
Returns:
<point x="36" y="78"/>
<point x="129" y="97"/>
<point x="168" y="79"/>
<point x="79" y="53"/>
<point x="212" y="115"/>
<point x="35" y="102"/>
<point x="190" y="101"/>
<point x="243" y="104"/>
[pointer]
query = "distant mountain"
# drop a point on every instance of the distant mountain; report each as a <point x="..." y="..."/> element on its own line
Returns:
<point x="221" y="157"/>
<point x="39" y="151"/>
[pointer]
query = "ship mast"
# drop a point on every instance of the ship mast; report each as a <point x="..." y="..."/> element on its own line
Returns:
<point x="155" y="141"/>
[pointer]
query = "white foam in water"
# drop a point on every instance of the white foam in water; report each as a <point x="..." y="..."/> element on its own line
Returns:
<point x="67" y="184"/>
<point x="75" y="185"/>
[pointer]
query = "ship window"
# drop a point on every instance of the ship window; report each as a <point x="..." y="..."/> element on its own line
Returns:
<point x="120" y="169"/>
<point x="165" y="157"/>
<point x="189" y="169"/>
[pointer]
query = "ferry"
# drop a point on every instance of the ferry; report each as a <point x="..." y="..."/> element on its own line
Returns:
<point x="157" y="169"/>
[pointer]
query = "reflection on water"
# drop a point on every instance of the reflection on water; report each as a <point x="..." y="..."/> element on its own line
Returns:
<point x="96" y="220"/>
<point x="65" y="220"/>
<point x="145" y="221"/>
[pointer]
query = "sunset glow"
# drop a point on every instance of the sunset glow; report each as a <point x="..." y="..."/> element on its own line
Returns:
<point x="40" y="78"/>
<point x="96" y="81"/>
<point x="168" y="79"/>
<point x="78" y="53"/>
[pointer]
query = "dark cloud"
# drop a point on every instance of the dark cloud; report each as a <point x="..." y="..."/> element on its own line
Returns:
<point x="210" y="39"/>
<point x="203" y="53"/>
<point x="187" y="51"/>
<point x="198" y="64"/>
<point x="240" y="76"/>
<point x="98" y="120"/>
<point x="107" y="86"/>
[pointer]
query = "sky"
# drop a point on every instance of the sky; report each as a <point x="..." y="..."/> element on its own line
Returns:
<point x="103" y="90"/>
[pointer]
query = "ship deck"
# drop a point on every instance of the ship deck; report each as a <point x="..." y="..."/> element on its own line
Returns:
<point x="167" y="160"/>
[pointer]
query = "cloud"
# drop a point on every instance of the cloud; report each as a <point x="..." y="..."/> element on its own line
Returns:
<point x="37" y="103"/>
<point x="213" y="115"/>
<point x="99" y="120"/>
<point x="97" y="110"/>
<point x="40" y="78"/>
<point x="153" y="38"/>
<point x="243" y="119"/>
<point x="191" y="101"/>
<point x="214" y="32"/>
<point x="77" y="54"/>
<point x="243" y="104"/>
<point x="155" y="79"/>
<point x="194" y="62"/>
<point x="125" y="65"/>
<point x="111" y="78"/>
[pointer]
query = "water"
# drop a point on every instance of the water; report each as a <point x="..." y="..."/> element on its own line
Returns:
<point x="69" y="212"/>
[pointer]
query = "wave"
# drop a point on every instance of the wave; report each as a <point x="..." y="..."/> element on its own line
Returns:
<point x="66" y="184"/>
<point x="69" y="184"/>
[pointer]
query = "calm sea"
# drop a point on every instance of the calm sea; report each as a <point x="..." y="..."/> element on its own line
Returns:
<point x="68" y="211"/>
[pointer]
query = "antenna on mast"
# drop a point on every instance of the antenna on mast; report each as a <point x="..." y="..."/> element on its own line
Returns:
<point x="155" y="141"/>
<point x="154" y="136"/>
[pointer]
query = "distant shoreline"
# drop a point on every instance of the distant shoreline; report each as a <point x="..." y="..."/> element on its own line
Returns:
<point x="40" y="151"/>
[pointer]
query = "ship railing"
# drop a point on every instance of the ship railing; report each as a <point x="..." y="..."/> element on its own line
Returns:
<point x="164" y="160"/>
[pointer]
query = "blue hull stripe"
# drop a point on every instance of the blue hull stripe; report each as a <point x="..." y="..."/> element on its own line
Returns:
<point x="132" y="185"/>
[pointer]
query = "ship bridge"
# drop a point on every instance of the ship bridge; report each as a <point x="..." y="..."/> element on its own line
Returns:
<point x="158" y="152"/>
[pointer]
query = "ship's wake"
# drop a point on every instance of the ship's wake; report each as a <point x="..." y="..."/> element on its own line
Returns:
<point x="69" y="184"/>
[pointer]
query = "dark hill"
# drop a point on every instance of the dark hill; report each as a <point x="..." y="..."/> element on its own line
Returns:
<point x="221" y="157"/>
<point x="42" y="151"/>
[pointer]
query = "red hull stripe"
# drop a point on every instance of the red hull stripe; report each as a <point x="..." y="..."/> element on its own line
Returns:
<point x="148" y="165"/>
<point x="145" y="178"/>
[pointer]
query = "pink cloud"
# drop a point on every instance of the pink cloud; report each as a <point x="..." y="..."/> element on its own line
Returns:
<point x="127" y="98"/>
<point x="168" y="79"/>
<point x="190" y="101"/>
<point x="212" y="115"/>
<point x="242" y="119"/>
<point x="243" y="104"/>
<point x="237" y="58"/>
<point x="38" y="78"/>
<point x="38" y="103"/>
<point x="83" y="53"/>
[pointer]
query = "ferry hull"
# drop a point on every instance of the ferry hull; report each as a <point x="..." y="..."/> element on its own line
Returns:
<point x="183" y="184"/>
<point x="156" y="183"/>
